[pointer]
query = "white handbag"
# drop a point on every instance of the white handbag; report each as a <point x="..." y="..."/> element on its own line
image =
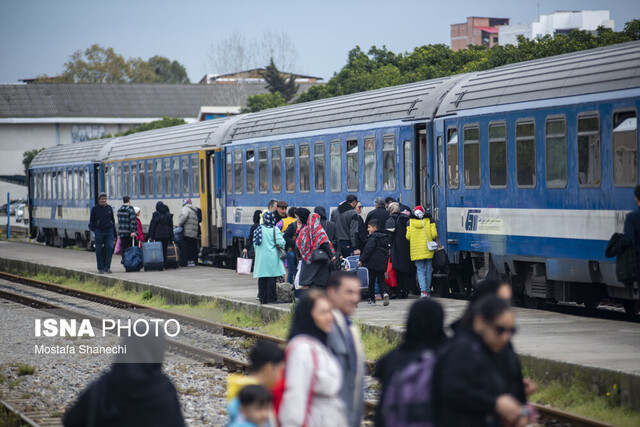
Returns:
<point x="432" y="246"/>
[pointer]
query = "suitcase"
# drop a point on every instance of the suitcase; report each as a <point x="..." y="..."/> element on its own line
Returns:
<point x="173" y="256"/>
<point x="152" y="256"/>
<point x="132" y="259"/>
<point x="361" y="272"/>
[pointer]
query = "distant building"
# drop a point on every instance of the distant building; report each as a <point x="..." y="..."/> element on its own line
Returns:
<point x="477" y="31"/>
<point x="253" y="76"/>
<point x="561" y="22"/>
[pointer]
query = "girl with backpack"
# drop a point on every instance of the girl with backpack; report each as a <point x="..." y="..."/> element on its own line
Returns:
<point x="421" y="233"/>
<point x="313" y="377"/>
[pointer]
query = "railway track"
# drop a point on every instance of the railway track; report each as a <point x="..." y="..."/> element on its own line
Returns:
<point x="548" y="416"/>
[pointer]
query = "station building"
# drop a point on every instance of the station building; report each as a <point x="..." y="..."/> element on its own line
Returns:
<point x="477" y="31"/>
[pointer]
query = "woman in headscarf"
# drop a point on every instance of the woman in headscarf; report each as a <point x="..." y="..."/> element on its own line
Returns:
<point x="268" y="266"/>
<point x="396" y="225"/>
<point x="424" y="331"/>
<point x="313" y="376"/>
<point x="249" y="249"/>
<point x="161" y="227"/>
<point x="315" y="250"/>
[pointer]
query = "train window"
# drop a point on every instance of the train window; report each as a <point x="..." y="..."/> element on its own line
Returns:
<point x="352" y="165"/>
<point x="134" y="180"/>
<point x="556" y="153"/>
<point x="202" y="175"/>
<point x="388" y="162"/>
<point x="452" y="158"/>
<point x="166" y="169"/>
<point x="176" y="177"/>
<point x="118" y="178"/>
<point x="195" y="176"/>
<point x="158" y="173"/>
<point x="46" y="186"/>
<point x="498" y="155"/>
<point x="251" y="171"/>
<point x="107" y="180"/>
<point x="471" y="153"/>
<point x="185" y="176"/>
<point x="625" y="148"/>
<point x="408" y="166"/>
<point x="370" y="166"/>
<point x="303" y="162"/>
<point x="289" y="169"/>
<point x="142" y="179"/>
<point x="263" y="173"/>
<point x="151" y="191"/>
<point x="526" y="154"/>
<point x="81" y="187"/>
<point x="276" y="170"/>
<point x="87" y="183"/>
<point x="237" y="170"/>
<point x="126" y="182"/>
<point x="589" y="151"/>
<point x="336" y="166"/>
<point x="229" y="173"/>
<point x="318" y="165"/>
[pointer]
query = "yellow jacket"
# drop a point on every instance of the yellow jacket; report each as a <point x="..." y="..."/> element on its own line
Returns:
<point x="235" y="383"/>
<point x="419" y="232"/>
<point x="286" y="222"/>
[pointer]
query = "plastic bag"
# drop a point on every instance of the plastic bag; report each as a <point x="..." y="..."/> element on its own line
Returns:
<point x="296" y="280"/>
<point x="391" y="278"/>
<point x="244" y="265"/>
<point x="118" y="248"/>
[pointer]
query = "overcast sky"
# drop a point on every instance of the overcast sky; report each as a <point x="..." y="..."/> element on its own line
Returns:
<point x="37" y="37"/>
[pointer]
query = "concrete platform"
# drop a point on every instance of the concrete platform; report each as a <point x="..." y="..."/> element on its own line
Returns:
<point x="547" y="341"/>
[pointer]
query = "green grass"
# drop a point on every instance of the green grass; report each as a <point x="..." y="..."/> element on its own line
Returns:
<point x="26" y="369"/>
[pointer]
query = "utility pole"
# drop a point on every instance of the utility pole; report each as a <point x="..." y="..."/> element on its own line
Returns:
<point x="8" y="215"/>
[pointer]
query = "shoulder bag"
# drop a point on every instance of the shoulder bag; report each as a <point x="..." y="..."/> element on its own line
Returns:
<point x="282" y="254"/>
<point x="431" y="245"/>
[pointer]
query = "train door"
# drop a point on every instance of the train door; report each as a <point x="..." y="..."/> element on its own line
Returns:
<point x="213" y="208"/>
<point x="438" y="186"/>
<point x="422" y="187"/>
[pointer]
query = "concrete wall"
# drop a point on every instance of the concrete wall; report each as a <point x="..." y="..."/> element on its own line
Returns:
<point x="15" y="139"/>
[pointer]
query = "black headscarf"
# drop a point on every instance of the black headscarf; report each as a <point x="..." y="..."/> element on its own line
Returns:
<point x="256" y="217"/>
<point x="320" y="211"/>
<point x="303" y="214"/>
<point x="483" y="288"/>
<point x="425" y="326"/>
<point x="303" y="323"/>
<point x="162" y="208"/>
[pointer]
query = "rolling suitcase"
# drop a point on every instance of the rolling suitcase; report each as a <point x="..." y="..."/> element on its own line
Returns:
<point x="173" y="256"/>
<point x="152" y="256"/>
<point x="132" y="258"/>
<point x="361" y="272"/>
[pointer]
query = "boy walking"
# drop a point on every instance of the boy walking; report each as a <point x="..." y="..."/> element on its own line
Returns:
<point x="375" y="257"/>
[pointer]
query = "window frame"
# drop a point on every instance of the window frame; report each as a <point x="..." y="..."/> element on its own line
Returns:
<point x="151" y="177"/>
<point x="277" y="148"/>
<point x="357" y="155"/>
<point x="238" y="153"/>
<point x="308" y="157"/>
<point x="263" y="163"/>
<point x="613" y="113"/>
<point x="286" y="174"/>
<point x="582" y="115"/>
<point x="246" y="168"/>
<point x="404" y="164"/>
<point x="457" y="145"/>
<point x="316" y="156"/>
<point x="229" y="172"/>
<point x="557" y="117"/>
<point x="466" y="126"/>
<point x="527" y="120"/>
<point x="366" y="139"/>
<point x="335" y="143"/>
<point x="506" y="151"/>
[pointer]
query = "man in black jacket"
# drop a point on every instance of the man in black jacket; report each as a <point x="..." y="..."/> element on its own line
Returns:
<point x="102" y="223"/>
<point x="380" y="213"/>
<point x="631" y="237"/>
<point x="347" y="226"/>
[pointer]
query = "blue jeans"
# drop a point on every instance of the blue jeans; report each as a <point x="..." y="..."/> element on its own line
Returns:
<point x="104" y="248"/>
<point x="292" y="264"/>
<point x="425" y="269"/>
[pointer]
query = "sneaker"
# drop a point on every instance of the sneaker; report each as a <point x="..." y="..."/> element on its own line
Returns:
<point x="424" y="294"/>
<point x="372" y="302"/>
<point x="100" y="271"/>
<point x="385" y="297"/>
<point x="108" y="271"/>
<point x="191" y="264"/>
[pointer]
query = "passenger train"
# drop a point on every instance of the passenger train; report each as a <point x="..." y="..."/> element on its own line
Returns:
<point x="528" y="169"/>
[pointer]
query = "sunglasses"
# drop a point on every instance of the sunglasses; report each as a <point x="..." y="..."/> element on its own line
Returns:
<point x="501" y="330"/>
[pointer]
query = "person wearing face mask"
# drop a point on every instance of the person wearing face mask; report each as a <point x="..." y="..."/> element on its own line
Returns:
<point x="419" y="232"/>
<point x="313" y="378"/>
<point x="468" y="386"/>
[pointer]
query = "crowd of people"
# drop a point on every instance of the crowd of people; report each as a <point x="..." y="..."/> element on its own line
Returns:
<point x="110" y="238"/>
<point x="310" y="246"/>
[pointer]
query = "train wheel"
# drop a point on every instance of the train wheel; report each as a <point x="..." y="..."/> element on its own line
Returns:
<point x="630" y="306"/>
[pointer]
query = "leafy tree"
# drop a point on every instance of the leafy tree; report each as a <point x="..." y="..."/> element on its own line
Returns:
<point x="168" y="71"/>
<point x="276" y="82"/>
<point x="165" y="122"/>
<point x="262" y="101"/>
<point x="28" y="156"/>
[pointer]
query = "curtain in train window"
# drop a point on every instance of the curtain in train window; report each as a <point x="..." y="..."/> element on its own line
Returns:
<point x="237" y="170"/>
<point x="81" y="187"/>
<point x="176" y="177"/>
<point x="289" y="168"/>
<point x="108" y="177"/>
<point x="276" y="170"/>
<point x="185" y="176"/>
<point x="556" y="153"/>
<point x="118" y="184"/>
<point x="589" y="151"/>
<point x="318" y="165"/>
<point x="151" y="191"/>
<point x="134" y="181"/>
<point x="303" y="156"/>
<point x="498" y="155"/>
<point x="166" y="163"/>
<point x="336" y="166"/>
<point x="195" y="176"/>
<point x="229" y="173"/>
<point x="126" y="186"/>
<point x="471" y="155"/>
<point x="251" y="171"/>
<point x="408" y="165"/>
<point x="352" y="165"/>
<point x="263" y="172"/>
<point x="143" y="179"/>
<point x="625" y="148"/>
<point x="388" y="162"/>
<point x="452" y="158"/>
<point x="370" y="164"/>
<point x="526" y="154"/>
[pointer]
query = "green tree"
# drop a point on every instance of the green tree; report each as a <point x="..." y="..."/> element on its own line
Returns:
<point x="632" y="29"/>
<point x="262" y="101"/>
<point x="276" y="82"/>
<point x="164" y="122"/>
<point x="27" y="158"/>
<point x="168" y="71"/>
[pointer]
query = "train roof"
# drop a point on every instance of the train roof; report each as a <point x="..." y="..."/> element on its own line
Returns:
<point x="81" y="152"/>
<point x="590" y="71"/>
<point x="406" y="102"/>
<point x="171" y="140"/>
